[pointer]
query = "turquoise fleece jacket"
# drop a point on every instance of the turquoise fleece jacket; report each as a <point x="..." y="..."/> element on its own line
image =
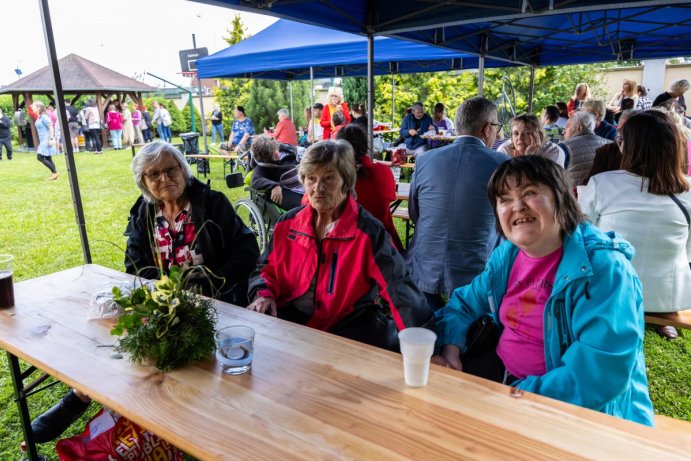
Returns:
<point x="593" y="324"/>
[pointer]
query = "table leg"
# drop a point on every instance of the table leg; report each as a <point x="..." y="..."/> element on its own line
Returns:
<point x="20" y="397"/>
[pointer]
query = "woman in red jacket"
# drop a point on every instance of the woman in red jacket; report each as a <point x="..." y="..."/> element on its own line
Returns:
<point x="330" y="262"/>
<point x="335" y="104"/>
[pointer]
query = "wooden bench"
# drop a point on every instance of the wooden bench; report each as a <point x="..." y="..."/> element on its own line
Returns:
<point x="402" y="213"/>
<point x="135" y="145"/>
<point x="672" y="425"/>
<point x="681" y="319"/>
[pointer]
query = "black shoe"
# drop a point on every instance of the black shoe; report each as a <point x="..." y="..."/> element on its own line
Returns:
<point x="51" y="424"/>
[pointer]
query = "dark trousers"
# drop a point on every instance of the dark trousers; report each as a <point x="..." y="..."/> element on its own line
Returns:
<point x="47" y="161"/>
<point x="88" y="143"/>
<point x="96" y="139"/>
<point x="146" y="133"/>
<point x="290" y="199"/>
<point x="7" y="142"/>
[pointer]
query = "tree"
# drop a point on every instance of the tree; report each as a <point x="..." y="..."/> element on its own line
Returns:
<point x="233" y="91"/>
<point x="267" y="96"/>
<point x="355" y="90"/>
<point x="179" y="125"/>
<point x="188" y="118"/>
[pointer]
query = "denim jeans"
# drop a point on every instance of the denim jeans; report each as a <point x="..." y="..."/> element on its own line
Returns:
<point x="164" y="132"/>
<point x="214" y="129"/>
<point x="116" y="138"/>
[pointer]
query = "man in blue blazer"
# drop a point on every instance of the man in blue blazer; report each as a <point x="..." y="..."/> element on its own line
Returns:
<point x="454" y="222"/>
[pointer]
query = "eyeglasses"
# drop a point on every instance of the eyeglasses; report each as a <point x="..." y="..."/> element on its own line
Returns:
<point x="169" y="172"/>
<point x="498" y="125"/>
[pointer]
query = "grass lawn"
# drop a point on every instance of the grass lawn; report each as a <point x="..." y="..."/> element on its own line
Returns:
<point x="38" y="227"/>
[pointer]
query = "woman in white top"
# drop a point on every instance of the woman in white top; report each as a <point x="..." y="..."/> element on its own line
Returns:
<point x="645" y="203"/>
<point x="628" y="90"/>
<point x="529" y="138"/>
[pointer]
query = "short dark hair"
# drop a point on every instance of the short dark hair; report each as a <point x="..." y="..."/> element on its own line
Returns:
<point x="538" y="170"/>
<point x="319" y="106"/>
<point x="563" y="110"/>
<point x="627" y="103"/>
<point x="551" y="113"/>
<point x="356" y="136"/>
<point x="655" y="149"/>
<point x="240" y="109"/>
<point x="439" y="107"/>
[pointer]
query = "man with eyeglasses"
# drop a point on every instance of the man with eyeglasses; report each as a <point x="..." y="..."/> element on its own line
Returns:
<point x="454" y="222"/>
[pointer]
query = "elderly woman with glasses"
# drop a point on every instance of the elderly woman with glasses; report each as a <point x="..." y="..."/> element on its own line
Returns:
<point x="335" y="104"/>
<point x="331" y="264"/>
<point x="529" y="138"/>
<point x="180" y="221"/>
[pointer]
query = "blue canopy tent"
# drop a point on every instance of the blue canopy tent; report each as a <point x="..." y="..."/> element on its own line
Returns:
<point x="469" y="27"/>
<point x="306" y="51"/>
<point x="286" y="50"/>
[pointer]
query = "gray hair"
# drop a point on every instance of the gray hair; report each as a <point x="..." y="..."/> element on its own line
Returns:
<point x="337" y="155"/>
<point x="151" y="153"/>
<point x="283" y="112"/>
<point x="595" y="107"/>
<point x="472" y="115"/>
<point x="583" y="122"/>
<point x="418" y="106"/>
<point x="337" y="90"/>
<point x="338" y="118"/>
<point x="680" y="86"/>
<point x="625" y="115"/>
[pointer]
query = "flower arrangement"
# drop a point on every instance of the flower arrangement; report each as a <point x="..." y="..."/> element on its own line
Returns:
<point x="167" y="324"/>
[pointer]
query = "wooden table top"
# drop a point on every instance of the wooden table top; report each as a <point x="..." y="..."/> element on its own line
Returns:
<point x="310" y="395"/>
<point x="437" y="137"/>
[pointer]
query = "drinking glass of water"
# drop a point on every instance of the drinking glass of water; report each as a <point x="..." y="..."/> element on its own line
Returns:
<point x="235" y="349"/>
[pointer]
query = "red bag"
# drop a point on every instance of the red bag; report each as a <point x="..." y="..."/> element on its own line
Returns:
<point x="398" y="156"/>
<point x="109" y="437"/>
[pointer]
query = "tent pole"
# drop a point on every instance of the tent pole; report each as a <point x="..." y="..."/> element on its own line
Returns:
<point x="481" y="75"/>
<point x="370" y="92"/>
<point x="532" y="89"/>
<point x="312" y="101"/>
<point x="290" y="90"/>
<point x="201" y="102"/>
<point x="69" y="157"/>
<point x="393" y="100"/>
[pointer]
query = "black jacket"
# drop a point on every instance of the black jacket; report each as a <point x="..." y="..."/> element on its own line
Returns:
<point x="268" y="175"/>
<point x="229" y="248"/>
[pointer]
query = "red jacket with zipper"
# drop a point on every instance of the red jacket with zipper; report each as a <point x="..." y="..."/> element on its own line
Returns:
<point x="353" y="263"/>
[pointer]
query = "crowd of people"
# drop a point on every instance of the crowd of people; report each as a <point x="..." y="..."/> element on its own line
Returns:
<point x="561" y="238"/>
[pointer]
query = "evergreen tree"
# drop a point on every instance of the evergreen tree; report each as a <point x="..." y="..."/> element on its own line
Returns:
<point x="233" y="91"/>
<point x="188" y="118"/>
<point x="267" y="96"/>
<point x="355" y="90"/>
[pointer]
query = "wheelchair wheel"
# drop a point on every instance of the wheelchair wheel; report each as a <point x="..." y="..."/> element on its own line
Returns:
<point x="252" y="217"/>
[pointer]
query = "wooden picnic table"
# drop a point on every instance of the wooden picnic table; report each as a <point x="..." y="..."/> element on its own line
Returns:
<point x="309" y="395"/>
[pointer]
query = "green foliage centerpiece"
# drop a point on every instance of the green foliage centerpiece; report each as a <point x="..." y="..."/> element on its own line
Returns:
<point x="167" y="324"/>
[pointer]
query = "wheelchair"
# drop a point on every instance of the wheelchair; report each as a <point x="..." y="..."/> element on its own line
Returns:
<point x="258" y="212"/>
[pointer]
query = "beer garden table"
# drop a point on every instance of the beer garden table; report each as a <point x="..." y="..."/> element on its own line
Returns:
<point x="309" y="395"/>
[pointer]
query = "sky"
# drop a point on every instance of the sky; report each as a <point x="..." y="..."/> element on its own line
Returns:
<point x="111" y="33"/>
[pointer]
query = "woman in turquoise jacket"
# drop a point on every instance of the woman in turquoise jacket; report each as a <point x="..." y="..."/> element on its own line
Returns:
<point x="564" y="295"/>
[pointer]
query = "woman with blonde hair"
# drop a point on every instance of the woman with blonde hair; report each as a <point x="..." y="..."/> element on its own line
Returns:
<point x="335" y="104"/>
<point x="628" y="90"/>
<point x="528" y="138"/>
<point x="580" y="95"/>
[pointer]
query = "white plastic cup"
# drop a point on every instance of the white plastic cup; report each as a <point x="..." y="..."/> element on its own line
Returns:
<point x="417" y="346"/>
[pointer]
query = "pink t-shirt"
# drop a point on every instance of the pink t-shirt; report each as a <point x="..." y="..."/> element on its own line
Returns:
<point x="522" y="343"/>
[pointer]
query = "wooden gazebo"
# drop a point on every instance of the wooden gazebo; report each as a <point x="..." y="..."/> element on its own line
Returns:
<point x="80" y="77"/>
